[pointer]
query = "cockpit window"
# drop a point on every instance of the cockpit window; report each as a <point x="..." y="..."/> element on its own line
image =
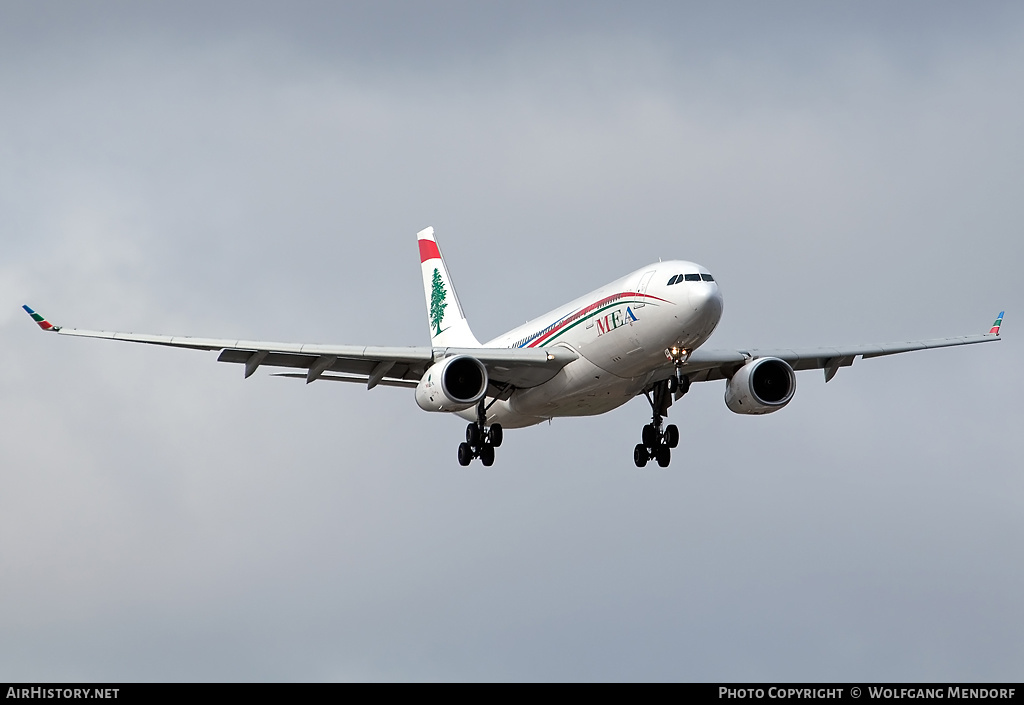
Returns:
<point x="707" y="277"/>
<point x="672" y="280"/>
<point x="693" y="277"/>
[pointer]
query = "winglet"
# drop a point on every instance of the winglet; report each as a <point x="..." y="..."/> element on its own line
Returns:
<point x="995" y="326"/>
<point x="42" y="322"/>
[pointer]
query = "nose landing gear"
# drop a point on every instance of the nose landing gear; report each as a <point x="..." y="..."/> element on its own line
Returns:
<point x="481" y="440"/>
<point x="657" y="442"/>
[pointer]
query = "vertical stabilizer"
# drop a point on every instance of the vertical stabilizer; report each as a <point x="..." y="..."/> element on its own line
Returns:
<point x="448" y="325"/>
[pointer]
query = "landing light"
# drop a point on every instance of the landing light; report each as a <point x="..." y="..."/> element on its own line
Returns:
<point x="677" y="354"/>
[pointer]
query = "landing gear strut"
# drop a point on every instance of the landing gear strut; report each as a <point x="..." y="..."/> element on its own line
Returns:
<point x="481" y="440"/>
<point x="657" y="442"/>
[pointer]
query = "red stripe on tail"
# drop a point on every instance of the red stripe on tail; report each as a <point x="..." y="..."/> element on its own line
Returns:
<point x="428" y="250"/>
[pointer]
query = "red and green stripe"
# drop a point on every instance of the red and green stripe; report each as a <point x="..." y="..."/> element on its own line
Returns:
<point x="571" y="321"/>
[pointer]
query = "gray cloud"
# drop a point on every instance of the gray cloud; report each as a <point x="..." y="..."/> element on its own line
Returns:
<point x="848" y="175"/>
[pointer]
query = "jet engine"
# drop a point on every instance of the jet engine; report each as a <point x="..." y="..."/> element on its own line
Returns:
<point x="761" y="386"/>
<point x="453" y="384"/>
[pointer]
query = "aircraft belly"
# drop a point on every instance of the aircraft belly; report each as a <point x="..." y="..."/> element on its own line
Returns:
<point x="499" y="412"/>
<point x="581" y="388"/>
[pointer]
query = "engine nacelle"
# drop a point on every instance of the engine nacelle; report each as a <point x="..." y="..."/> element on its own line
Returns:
<point x="453" y="384"/>
<point x="761" y="387"/>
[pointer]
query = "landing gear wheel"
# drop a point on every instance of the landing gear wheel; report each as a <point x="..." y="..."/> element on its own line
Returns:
<point x="487" y="455"/>
<point x="658" y="440"/>
<point x="473" y="435"/>
<point x="671" y="436"/>
<point x="650" y="436"/>
<point x="465" y="454"/>
<point x="496" y="435"/>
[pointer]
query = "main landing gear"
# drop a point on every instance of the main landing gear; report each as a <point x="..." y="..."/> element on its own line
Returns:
<point x="657" y="441"/>
<point x="481" y="440"/>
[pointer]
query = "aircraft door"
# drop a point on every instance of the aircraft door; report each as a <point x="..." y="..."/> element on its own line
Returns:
<point x="641" y="288"/>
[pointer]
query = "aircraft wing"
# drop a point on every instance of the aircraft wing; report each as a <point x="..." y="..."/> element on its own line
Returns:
<point x="705" y="365"/>
<point x="507" y="368"/>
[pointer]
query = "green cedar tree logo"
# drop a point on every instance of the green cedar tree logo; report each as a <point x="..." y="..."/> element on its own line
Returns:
<point x="437" y="301"/>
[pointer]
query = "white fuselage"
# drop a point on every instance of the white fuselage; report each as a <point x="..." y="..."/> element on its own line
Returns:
<point x="621" y="333"/>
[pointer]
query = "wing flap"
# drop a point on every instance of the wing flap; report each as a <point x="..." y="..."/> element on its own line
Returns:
<point x="892" y="349"/>
<point x="811" y="358"/>
<point x="708" y="365"/>
<point x="507" y="367"/>
<point x="408" y="384"/>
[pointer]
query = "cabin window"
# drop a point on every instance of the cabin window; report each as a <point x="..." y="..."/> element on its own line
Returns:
<point x="693" y="277"/>
<point x="707" y="277"/>
<point x="672" y="280"/>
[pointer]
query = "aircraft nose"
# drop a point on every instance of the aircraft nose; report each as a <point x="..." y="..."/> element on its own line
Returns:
<point x="706" y="300"/>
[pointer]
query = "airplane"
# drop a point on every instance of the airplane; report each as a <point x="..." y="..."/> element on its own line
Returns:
<point x="641" y="334"/>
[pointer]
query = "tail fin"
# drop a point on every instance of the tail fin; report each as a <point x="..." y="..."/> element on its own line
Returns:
<point x="448" y="325"/>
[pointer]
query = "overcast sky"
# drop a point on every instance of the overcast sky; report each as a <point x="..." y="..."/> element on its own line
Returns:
<point x="848" y="174"/>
